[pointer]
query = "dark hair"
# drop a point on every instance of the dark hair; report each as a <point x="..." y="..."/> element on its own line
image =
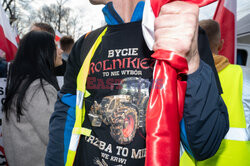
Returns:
<point x="212" y="29"/>
<point x="66" y="43"/>
<point x="45" y="27"/>
<point x="34" y="60"/>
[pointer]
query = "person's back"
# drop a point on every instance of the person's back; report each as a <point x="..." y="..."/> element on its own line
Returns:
<point x="235" y="82"/>
<point x="25" y="142"/>
<point x="235" y="148"/>
<point x="31" y="95"/>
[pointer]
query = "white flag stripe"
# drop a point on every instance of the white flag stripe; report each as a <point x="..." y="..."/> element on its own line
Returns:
<point x="148" y="24"/>
<point x="230" y="6"/>
<point x="8" y="31"/>
<point x="58" y="34"/>
<point x="226" y="16"/>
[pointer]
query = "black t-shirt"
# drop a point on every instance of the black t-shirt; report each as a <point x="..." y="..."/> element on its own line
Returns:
<point x="119" y="78"/>
<point x="123" y="54"/>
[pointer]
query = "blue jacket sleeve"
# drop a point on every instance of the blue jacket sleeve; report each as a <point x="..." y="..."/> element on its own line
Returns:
<point x="60" y="129"/>
<point x="63" y="118"/>
<point x="205" y="115"/>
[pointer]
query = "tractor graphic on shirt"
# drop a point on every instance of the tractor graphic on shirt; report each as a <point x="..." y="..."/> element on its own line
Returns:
<point x="125" y="112"/>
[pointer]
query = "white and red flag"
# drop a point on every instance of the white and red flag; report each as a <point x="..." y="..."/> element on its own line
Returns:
<point x="8" y="42"/>
<point x="151" y="11"/>
<point x="225" y="15"/>
<point x="16" y="34"/>
<point x="58" y="36"/>
<point x="166" y="101"/>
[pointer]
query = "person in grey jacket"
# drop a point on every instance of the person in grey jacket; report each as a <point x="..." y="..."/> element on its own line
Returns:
<point x="31" y="94"/>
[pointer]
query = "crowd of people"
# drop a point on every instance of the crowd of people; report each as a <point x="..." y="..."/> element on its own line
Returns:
<point x="98" y="116"/>
<point x="31" y="93"/>
<point x="63" y="49"/>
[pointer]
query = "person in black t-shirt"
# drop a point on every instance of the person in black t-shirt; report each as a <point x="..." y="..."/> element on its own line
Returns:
<point x="119" y="82"/>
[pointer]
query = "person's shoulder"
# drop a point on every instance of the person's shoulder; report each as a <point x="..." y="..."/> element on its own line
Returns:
<point x="79" y="42"/>
<point x="234" y="68"/>
<point x="89" y="34"/>
<point x="83" y="44"/>
<point x="36" y="88"/>
<point x="204" y="69"/>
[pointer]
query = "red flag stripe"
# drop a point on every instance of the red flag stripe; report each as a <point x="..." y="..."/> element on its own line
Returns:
<point x="7" y="46"/>
<point x="165" y="107"/>
<point x="225" y="15"/>
<point x="7" y="38"/>
<point x="58" y="36"/>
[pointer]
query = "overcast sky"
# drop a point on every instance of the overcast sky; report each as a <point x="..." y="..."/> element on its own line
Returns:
<point x="90" y="16"/>
<point x="243" y="8"/>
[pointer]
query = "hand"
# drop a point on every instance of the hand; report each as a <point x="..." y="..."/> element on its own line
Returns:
<point x="176" y="29"/>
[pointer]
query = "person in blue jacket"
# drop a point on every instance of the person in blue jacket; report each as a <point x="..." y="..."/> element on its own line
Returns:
<point x="3" y="67"/>
<point x="119" y="81"/>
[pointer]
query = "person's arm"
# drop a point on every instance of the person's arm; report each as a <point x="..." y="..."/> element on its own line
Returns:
<point x="205" y="115"/>
<point x="62" y="120"/>
<point x="207" y="56"/>
<point x="39" y="109"/>
<point x="60" y="128"/>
